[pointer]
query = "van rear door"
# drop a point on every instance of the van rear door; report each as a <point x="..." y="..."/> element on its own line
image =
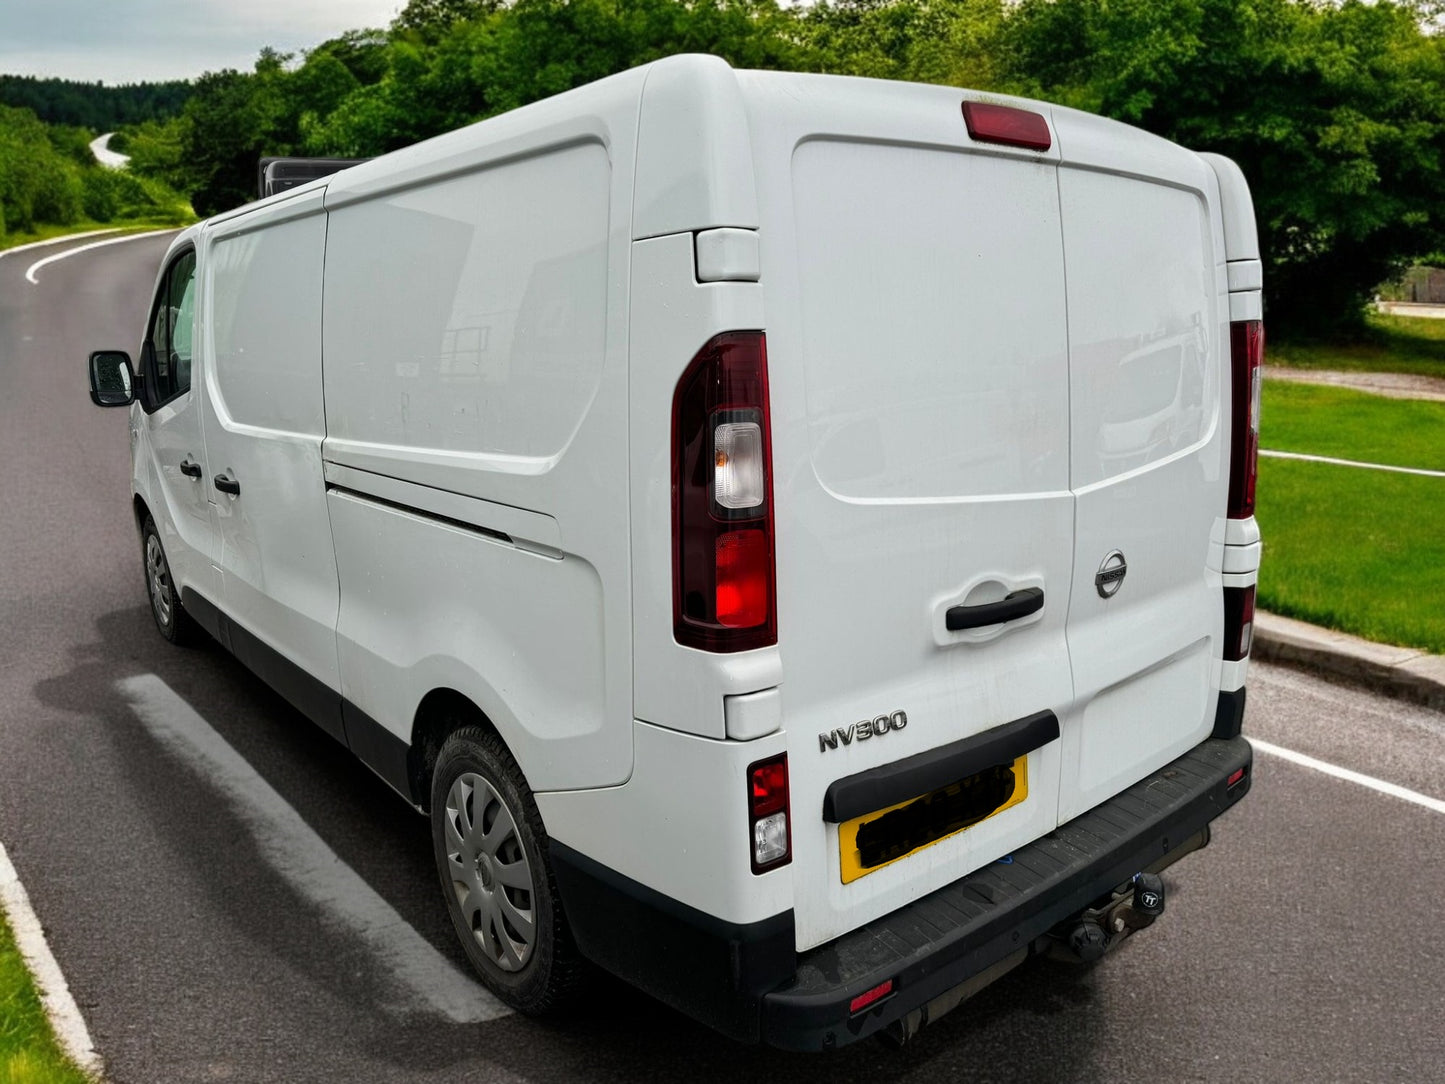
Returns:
<point x="917" y="346"/>
<point x="1148" y="335"/>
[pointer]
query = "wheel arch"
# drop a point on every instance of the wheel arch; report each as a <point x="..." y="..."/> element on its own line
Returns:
<point x="140" y="510"/>
<point x="441" y="712"/>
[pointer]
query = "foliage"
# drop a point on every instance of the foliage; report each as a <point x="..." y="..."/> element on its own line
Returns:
<point x="953" y="42"/>
<point x="38" y="182"/>
<point x="92" y="105"/>
<point x="1335" y="110"/>
<point x="48" y="176"/>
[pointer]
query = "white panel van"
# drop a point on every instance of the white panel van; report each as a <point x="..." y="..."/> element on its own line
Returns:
<point x="792" y="535"/>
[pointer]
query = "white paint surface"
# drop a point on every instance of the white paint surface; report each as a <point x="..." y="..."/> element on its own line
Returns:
<point x="60" y="1007"/>
<point x="427" y="981"/>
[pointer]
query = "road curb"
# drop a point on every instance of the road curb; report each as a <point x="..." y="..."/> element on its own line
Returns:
<point x="1403" y="672"/>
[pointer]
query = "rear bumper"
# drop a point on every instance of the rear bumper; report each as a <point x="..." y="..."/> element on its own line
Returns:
<point x="746" y="981"/>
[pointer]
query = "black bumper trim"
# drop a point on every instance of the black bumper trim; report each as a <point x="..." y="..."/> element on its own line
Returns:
<point x="890" y="784"/>
<point x="1229" y="714"/>
<point x="939" y="942"/>
<point x="713" y="970"/>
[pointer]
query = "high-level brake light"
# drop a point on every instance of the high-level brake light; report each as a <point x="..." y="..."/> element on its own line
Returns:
<point x="1007" y="124"/>
<point x="723" y="578"/>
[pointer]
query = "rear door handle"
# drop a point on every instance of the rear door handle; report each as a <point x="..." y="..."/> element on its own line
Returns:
<point x="1018" y="604"/>
<point x="189" y="469"/>
<point x="226" y="484"/>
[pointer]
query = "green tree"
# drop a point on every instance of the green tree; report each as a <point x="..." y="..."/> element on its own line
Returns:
<point x="1336" y="113"/>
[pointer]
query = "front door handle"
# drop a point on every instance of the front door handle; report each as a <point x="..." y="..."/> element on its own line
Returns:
<point x="189" y="469"/>
<point x="1013" y="606"/>
<point x="226" y="484"/>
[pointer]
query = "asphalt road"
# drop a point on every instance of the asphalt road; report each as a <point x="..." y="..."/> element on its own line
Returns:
<point x="1304" y="944"/>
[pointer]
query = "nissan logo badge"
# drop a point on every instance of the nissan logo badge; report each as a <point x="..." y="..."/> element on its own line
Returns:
<point x="1110" y="576"/>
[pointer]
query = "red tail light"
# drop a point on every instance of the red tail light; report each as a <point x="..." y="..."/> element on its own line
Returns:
<point x="723" y="579"/>
<point x="1238" y="622"/>
<point x="1246" y="347"/>
<point x="768" y="813"/>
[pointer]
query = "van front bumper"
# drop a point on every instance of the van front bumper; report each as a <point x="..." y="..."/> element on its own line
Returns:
<point x="747" y="982"/>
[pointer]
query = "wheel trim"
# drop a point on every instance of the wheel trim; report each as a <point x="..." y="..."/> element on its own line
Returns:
<point x="158" y="578"/>
<point x="490" y="872"/>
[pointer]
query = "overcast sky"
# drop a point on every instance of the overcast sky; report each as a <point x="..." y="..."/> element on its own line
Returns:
<point x="131" y="41"/>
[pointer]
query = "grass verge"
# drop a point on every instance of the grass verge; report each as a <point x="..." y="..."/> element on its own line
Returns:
<point x="1358" y="550"/>
<point x="28" y="1051"/>
<point x="1388" y="344"/>
<point x="1345" y="424"/>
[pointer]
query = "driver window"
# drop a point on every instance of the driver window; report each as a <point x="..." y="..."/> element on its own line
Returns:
<point x="172" y="331"/>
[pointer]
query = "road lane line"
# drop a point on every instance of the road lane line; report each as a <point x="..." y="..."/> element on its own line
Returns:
<point x="1392" y="789"/>
<point x="56" y="241"/>
<point x="304" y="860"/>
<point x="65" y="1019"/>
<point x="1341" y="462"/>
<point x="38" y="264"/>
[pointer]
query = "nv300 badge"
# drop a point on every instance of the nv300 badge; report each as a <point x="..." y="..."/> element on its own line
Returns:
<point x="862" y="731"/>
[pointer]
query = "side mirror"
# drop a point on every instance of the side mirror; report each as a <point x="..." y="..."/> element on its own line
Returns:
<point x="112" y="381"/>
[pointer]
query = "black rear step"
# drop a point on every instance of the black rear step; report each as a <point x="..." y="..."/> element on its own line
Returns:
<point x="941" y="941"/>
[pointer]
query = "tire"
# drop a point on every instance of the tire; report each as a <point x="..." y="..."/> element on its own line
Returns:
<point x="491" y="854"/>
<point x="170" y="616"/>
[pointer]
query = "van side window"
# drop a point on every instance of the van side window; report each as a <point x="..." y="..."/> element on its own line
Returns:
<point x="168" y="346"/>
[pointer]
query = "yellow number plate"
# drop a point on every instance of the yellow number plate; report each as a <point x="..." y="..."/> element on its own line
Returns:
<point x="892" y="834"/>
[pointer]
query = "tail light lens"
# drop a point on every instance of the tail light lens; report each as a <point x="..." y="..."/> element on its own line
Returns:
<point x="768" y="813"/>
<point x="1238" y="622"/>
<point x="1246" y="343"/>
<point x="723" y="580"/>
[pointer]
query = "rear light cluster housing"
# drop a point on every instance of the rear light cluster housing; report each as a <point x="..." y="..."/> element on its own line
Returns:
<point x="1246" y="349"/>
<point x="768" y="813"/>
<point x="723" y="578"/>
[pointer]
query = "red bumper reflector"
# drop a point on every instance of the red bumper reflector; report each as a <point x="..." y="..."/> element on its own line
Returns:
<point x="1235" y="778"/>
<point x="868" y="997"/>
<point x="990" y="123"/>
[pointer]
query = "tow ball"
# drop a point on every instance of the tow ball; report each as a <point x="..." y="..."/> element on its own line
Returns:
<point x="1133" y="906"/>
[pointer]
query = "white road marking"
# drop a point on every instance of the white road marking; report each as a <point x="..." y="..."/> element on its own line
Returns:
<point x="1349" y="463"/>
<point x="60" y="1007"/>
<point x="55" y="241"/>
<point x="1392" y="789"/>
<point x="304" y="860"/>
<point x="38" y="264"/>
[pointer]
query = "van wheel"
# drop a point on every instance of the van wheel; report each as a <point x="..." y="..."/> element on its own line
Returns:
<point x="171" y="618"/>
<point x="491" y="852"/>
